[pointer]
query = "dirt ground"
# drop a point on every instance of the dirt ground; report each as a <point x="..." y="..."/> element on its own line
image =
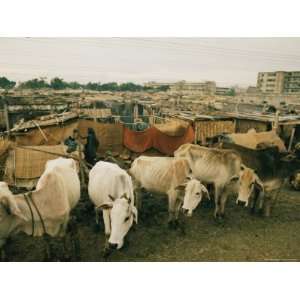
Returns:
<point x="242" y="237"/>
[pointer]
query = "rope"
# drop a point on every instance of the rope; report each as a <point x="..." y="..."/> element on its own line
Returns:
<point x="45" y="235"/>
<point x="31" y="212"/>
<point x="38" y="212"/>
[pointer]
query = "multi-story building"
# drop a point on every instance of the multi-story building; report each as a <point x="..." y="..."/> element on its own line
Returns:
<point x="223" y="90"/>
<point x="279" y="82"/>
<point x="206" y="87"/>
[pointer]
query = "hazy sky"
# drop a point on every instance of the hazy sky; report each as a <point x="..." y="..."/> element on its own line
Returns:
<point x="228" y="61"/>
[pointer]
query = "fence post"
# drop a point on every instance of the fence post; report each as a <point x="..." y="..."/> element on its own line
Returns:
<point x="6" y="117"/>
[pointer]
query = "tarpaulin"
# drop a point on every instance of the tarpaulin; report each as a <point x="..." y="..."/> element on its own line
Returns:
<point x="140" y="141"/>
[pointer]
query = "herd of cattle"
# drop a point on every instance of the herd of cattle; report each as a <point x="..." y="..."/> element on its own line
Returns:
<point x="185" y="178"/>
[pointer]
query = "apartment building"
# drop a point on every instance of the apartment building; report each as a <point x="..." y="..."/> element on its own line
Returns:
<point x="205" y="87"/>
<point x="280" y="82"/>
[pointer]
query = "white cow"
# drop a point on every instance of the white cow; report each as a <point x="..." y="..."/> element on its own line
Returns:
<point x="110" y="189"/>
<point x="171" y="176"/>
<point x="57" y="192"/>
<point x="217" y="166"/>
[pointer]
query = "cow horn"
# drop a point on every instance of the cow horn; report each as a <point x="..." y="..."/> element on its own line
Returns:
<point x="204" y="189"/>
<point x="111" y="198"/>
<point x="126" y="197"/>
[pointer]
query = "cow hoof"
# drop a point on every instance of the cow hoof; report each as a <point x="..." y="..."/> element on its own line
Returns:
<point x="219" y="219"/>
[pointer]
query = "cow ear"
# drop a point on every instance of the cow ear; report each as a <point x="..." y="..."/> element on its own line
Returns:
<point x="105" y="206"/>
<point x="126" y="197"/>
<point x="234" y="178"/>
<point x="259" y="183"/>
<point x="135" y="214"/>
<point x="180" y="187"/>
<point x="111" y="198"/>
<point x="11" y="207"/>
<point x="204" y="189"/>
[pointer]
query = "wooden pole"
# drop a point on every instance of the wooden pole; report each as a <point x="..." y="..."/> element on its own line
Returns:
<point x="6" y="117"/>
<point x="54" y="153"/>
<point x="291" y="139"/>
<point x="41" y="131"/>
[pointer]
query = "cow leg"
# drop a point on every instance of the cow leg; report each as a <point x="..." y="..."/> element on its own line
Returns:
<point x="137" y="194"/>
<point x="217" y="201"/>
<point x="48" y="248"/>
<point x="107" y="226"/>
<point x="3" y="252"/>
<point x="172" y="196"/>
<point x="179" y="221"/>
<point x="74" y="235"/>
<point x="138" y="198"/>
<point x="223" y="200"/>
<point x="97" y="219"/>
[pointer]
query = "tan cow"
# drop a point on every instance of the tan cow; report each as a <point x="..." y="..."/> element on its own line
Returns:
<point x="253" y="190"/>
<point x="250" y="185"/>
<point x="255" y="140"/>
<point x="217" y="166"/>
<point x="168" y="175"/>
<point x="47" y="209"/>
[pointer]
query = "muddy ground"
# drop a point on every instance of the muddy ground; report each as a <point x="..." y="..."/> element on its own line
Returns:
<point x="242" y="237"/>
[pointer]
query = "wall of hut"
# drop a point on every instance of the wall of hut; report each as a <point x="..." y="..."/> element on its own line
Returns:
<point x="243" y="125"/>
<point x="205" y="129"/>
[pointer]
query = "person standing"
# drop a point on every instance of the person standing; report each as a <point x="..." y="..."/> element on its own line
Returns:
<point x="90" y="150"/>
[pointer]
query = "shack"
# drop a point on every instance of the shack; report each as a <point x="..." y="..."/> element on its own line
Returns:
<point x="287" y="126"/>
<point x="205" y="126"/>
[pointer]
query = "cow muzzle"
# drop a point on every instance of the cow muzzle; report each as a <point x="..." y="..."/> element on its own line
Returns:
<point x="241" y="203"/>
<point x="186" y="212"/>
<point x="112" y="246"/>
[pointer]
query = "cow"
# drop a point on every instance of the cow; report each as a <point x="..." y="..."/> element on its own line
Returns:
<point x="271" y="166"/>
<point x="255" y="140"/>
<point x="170" y="176"/>
<point x="110" y="189"/>
<point x="46" y="210"/>
<point x="253" y="190"/>
<point x="213" y="166"/>
<point x="250" y="186"/>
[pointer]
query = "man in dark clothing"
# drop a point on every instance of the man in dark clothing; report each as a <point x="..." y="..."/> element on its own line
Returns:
<point x="91" y="146"/>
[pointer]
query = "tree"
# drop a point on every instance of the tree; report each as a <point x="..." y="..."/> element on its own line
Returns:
<point x="6" y="84"/>
<point x="231" y="92"/>
<point x="74" y="85"/>
<point x="94" y="86"/>
<point x="58" y="83"/>
<point x="110" y="86"/>
<point x="130" y="86"/>
<point x="34" y="84"/>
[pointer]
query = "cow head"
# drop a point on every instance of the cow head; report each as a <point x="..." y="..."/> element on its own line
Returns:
<point x="194" y="191"/>
<point x="8" y="212"/>
<point x="122" y="215"/>
<point x="248" y="181"/>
